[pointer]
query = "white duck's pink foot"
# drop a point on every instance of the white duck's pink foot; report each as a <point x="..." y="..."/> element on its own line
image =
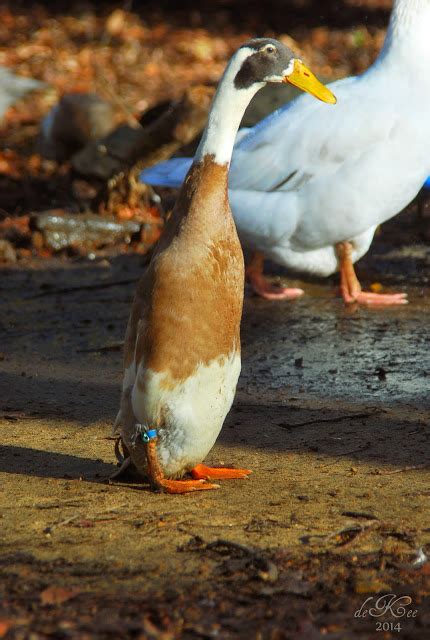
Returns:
<point x="365" y="297"/>
<point x="261" y="286"/>
<point x="203" y="472"/>
<point x="270" y="292"/>
<point x="350" y="286"/>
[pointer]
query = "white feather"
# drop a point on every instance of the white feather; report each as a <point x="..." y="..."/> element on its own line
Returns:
<point x="227" y="111"/>
<point x="192" y="412"/>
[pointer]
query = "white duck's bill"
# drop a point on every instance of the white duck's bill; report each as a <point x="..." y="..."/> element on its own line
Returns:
<point x="301" y="77"/>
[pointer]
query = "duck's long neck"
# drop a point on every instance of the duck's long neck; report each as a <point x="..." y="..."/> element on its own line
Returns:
<point x="226" y="113"/>
<point x="407" y="40"/>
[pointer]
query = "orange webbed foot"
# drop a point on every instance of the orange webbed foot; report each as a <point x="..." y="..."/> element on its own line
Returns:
<point x="202" y="472"/>
<point x="185" y="486"/>
<point x="156" y="475"/>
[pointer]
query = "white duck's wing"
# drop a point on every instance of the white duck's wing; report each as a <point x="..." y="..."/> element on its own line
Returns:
<point x="338" y="170"/>
<point x="366" y="188"/>
<point x="264" y="219"/>
<point x="277" y="162"/>
<point x="304" y="139"/>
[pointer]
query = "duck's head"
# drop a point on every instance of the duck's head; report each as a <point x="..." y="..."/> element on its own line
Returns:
<point x="264" y="60"/>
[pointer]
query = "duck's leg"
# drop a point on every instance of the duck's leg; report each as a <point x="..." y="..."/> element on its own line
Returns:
<point x="350" y="286"/>
<point x="159" y="482"/>
<point x="202" y="472"/>
<point x="124" y="460"/>
<point x="260" y="284"/>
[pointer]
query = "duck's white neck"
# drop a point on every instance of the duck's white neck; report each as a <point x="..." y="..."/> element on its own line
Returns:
<point x="226" y="113"/>
<point x="408" y="33"/>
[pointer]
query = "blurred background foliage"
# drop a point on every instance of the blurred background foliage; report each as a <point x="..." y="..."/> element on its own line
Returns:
<point x="140" y="58"/>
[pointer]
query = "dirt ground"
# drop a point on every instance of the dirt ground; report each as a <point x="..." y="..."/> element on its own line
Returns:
<point x="331" y="415"/>
<point x="330" y="535"/>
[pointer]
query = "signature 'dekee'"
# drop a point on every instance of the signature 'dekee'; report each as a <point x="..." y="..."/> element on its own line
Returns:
<point x="389" y="603"/>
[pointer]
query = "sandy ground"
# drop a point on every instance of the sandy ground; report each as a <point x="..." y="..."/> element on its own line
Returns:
<point x="331" y="414"/>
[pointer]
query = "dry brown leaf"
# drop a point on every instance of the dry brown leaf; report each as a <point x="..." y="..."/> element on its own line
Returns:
<point x="116" y="22"/>
<point x="57" y="595"/>
<point x="5" y="625"/>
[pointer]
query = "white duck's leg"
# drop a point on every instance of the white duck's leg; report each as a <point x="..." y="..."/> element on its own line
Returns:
<point x="351" y="288"/>
<point x="260" y="284"/>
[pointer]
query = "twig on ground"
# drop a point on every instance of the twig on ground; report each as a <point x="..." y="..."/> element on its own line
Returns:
<point x="267" y="569"/>
<point x="412" y="467"/>
<point x="345" y="453"/>
<point x="58" y="505"/>
<point x="359" y="514"/>
<point x="353" y="416"/>
<point x="117" y="346"/>
<point x="86" y="287"/>
<point x="349" y="533"/>
<point x="51" y="527"/>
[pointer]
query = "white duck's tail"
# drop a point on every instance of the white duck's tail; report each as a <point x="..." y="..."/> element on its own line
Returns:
<point x="167" y="174"/>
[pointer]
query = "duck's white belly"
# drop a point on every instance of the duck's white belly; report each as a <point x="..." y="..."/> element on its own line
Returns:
<point x="188" y="414"/>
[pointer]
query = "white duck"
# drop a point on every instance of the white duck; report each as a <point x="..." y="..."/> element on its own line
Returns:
<point x="182" y="347"/>
<point x="309" y="185"/>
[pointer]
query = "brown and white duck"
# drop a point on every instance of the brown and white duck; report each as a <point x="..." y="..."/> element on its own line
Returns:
<point x="309" y="186"/>
<point x="182" y="346"/>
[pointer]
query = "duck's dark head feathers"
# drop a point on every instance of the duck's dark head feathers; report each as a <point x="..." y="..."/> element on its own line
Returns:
<point x="268" y="61"/>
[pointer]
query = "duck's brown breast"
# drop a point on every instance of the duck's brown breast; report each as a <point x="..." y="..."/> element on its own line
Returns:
<point x="188" y="306"/>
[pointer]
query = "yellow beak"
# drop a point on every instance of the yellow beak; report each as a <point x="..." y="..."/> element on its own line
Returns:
<point x="305" y="80"/>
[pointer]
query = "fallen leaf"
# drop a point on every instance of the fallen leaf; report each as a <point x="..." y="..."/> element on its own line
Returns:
<point x="425" y="570"/>
<point x="371" y="587"/>
<point x="57" y="595"/>
<point x="85" y="524"/>
<point x="5" y="625"/>
<point x="116" y="22"/>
